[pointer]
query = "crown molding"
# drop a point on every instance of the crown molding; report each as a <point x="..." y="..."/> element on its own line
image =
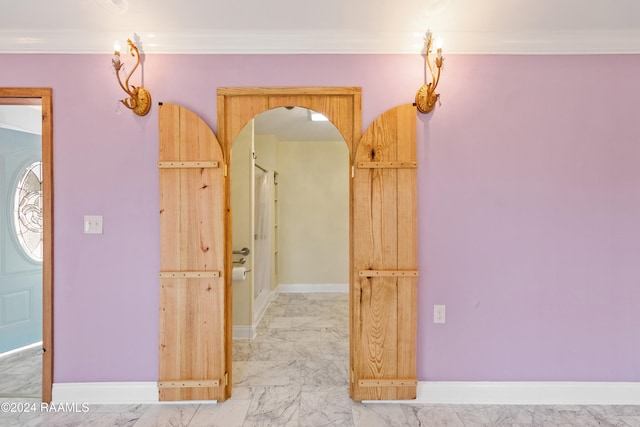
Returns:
<point x="324" y="42"/>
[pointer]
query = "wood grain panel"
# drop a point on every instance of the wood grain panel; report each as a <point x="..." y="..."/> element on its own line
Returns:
<point x="46" y="97"/>
<point x="378" y="334"/>
<point x="337" y="108"/>
<point x="341" y="105"/>
<point x="375" y="246"/>
<point x="170" y="214"/>
<point x="196" y="236"/>
<point x="384" y="239"/>
<point x="192" y="322"/>
<point x="169" y="130"/>
<point x="238" y="111"/>
<point x="407" y="249"/>
<point x="170" y="196"/>
<point x="275" y="91"/>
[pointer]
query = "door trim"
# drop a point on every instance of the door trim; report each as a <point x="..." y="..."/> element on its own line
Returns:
<point x="22" y="96"/>
<point x="236" y="106"/>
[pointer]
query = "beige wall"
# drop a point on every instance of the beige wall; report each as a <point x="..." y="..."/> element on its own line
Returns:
<point x="313" y="212"/>
<point x="311" y="240"/>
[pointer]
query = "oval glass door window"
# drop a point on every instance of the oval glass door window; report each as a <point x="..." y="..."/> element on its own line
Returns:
<point x="28" y="218"/>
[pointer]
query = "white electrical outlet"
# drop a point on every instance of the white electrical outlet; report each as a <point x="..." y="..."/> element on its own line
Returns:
<point x="93" y="224"/>
<point x="439" y="314"/>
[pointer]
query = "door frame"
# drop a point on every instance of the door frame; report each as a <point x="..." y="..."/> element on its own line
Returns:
<point x="236" y="106"/>
<point x="25" y="96"/>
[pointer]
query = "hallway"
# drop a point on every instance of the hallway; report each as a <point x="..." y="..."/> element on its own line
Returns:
<point x="296" y="370"/>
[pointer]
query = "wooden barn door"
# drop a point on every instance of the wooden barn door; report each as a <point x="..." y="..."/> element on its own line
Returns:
<point x="195" y="303"/>
<point x="192" y="356"/>
<point x="384" y="270"/>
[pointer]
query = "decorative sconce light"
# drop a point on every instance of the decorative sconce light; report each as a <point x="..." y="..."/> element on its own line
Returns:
<point x="426" y="97"/>
<point x="139" y="98"/>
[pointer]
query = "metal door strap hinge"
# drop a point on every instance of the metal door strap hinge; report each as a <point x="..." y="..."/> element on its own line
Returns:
<point x="187" y="165"/>
<point x="396" y="382"/>
<point x="387" y="165"/>
<point x="188" y="274"/>
<point x="388" y="273"/>
<point x="189" y="384"/>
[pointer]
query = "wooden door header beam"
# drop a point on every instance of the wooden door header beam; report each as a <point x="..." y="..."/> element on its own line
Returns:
<point x="288" y="91"/>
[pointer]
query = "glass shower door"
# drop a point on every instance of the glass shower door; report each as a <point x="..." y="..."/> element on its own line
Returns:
<point x="263" y="229"/>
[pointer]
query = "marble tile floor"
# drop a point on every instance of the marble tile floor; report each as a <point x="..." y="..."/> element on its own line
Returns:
<point x="295" y="374"/>
<point x="21" y="373"/>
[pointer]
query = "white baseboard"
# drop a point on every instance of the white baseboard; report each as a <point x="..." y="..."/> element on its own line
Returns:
<point x="250" y="332"/>
<point x="243" y="332"/>
<point x="527" y="393"/>
<point x="106" y="393"/>
<point x="429" y="392"/>
<point x="311" y="288"/>
<point x="261" y="305"/>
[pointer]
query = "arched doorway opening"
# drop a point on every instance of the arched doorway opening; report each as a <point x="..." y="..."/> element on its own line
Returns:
<point x="238" y="106"/>
<point x="290" y="190"/>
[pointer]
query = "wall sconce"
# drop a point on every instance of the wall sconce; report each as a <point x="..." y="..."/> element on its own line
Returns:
<point x="426" y="97"/>
<point x="139" y="98"/>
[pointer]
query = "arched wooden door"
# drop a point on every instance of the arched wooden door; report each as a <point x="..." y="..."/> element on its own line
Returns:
<point x="196" y="252"/>
<point x="384" y="269"/>
<point x="192" y="361"/>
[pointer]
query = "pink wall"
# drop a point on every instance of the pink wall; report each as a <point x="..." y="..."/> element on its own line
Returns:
<point x="529" y="185"/>
<point x="530" y="209"/>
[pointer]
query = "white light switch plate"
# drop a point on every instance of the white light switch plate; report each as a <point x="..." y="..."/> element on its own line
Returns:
<point x="93" y="224"/>
<point x="439" y="314"/>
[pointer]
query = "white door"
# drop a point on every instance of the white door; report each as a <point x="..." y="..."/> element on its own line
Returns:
<point x="21" y="226"/>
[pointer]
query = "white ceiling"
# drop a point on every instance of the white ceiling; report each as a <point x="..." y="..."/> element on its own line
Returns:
<point x="23" y="118"/>
<point x="326" y="26"/>
<point x="294" y="125"/>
